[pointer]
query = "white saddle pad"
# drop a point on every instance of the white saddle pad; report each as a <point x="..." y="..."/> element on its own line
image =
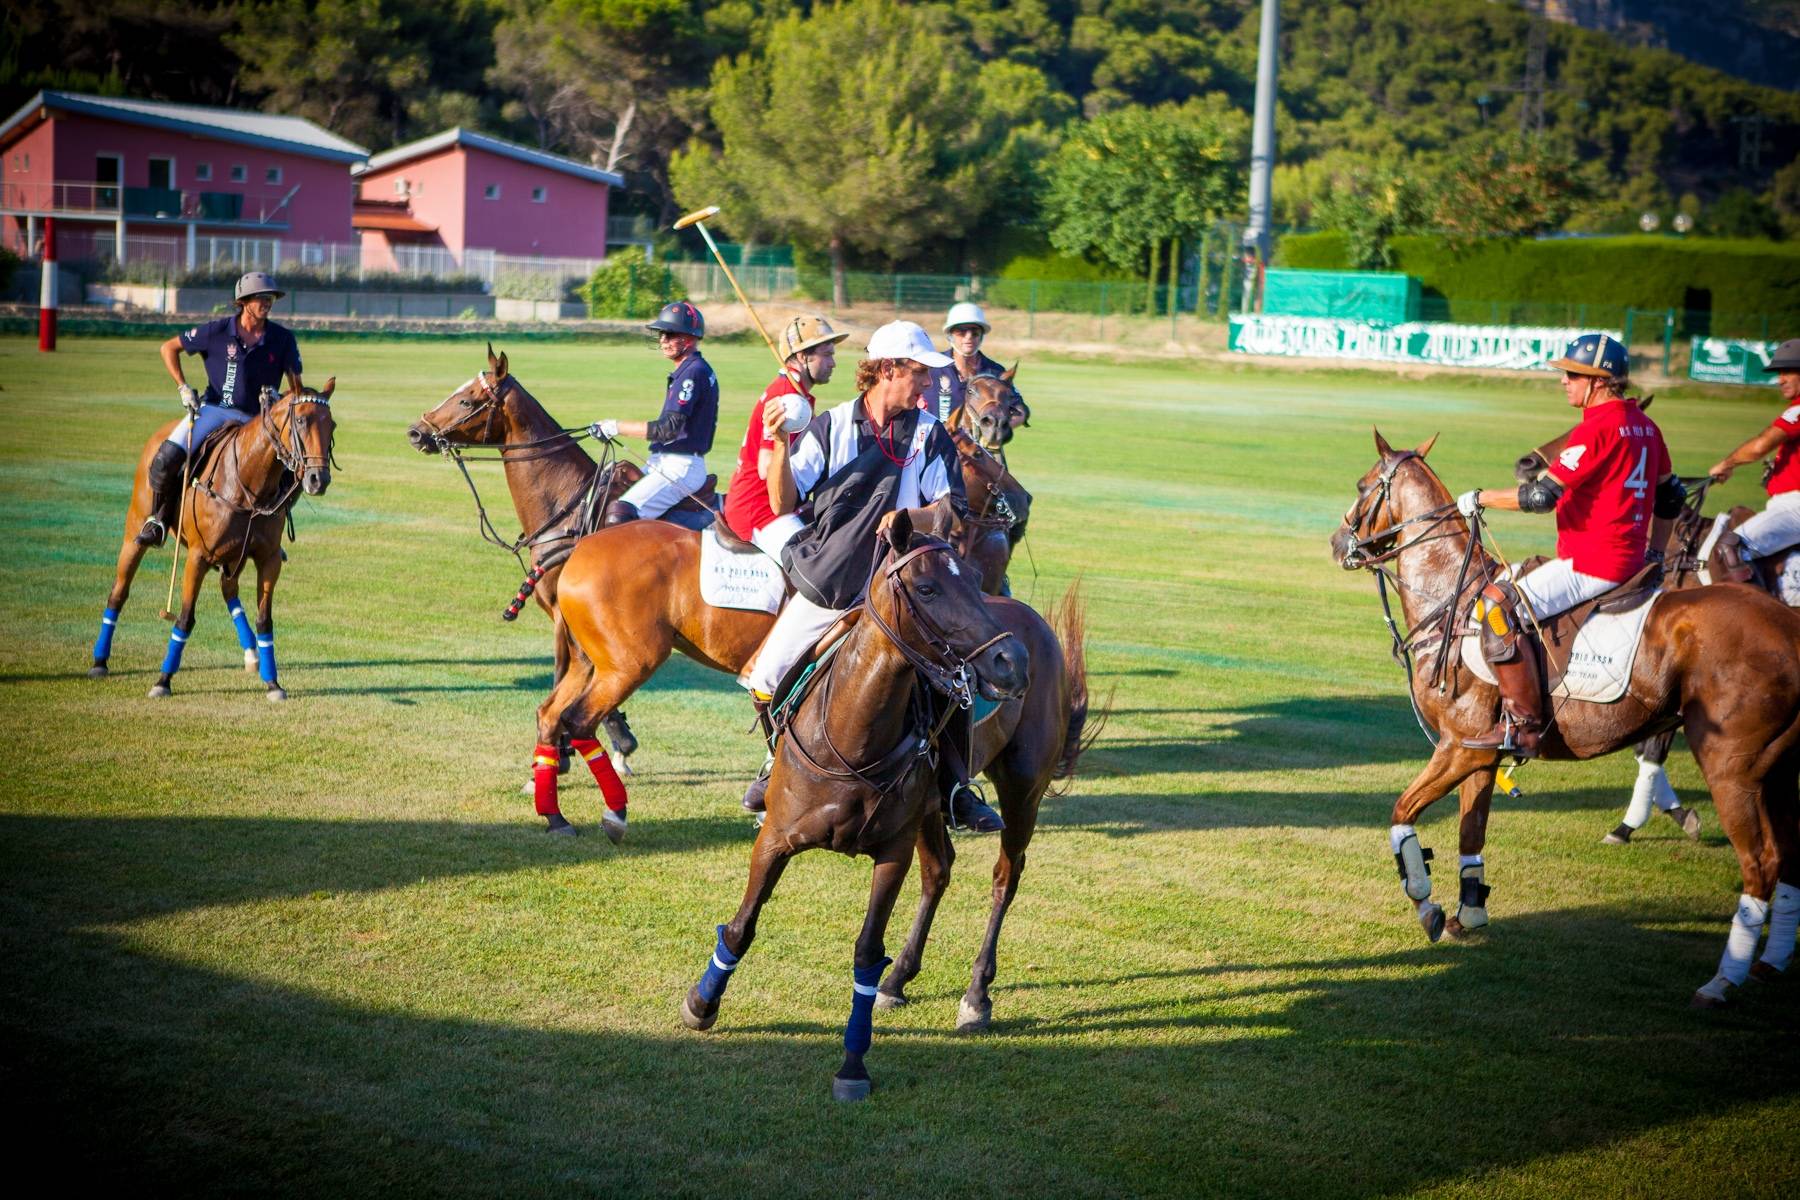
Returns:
<point x="1599" y="665"/>
<point x="747" y="581"/>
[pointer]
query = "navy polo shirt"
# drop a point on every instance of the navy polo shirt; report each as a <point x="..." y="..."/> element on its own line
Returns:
<point x="693" y="392"/>
<point x="237" y="371"/>
<point x="944" y="393"/>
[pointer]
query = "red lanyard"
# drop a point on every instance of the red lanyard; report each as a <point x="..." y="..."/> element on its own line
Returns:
<point x="887" y="450"/>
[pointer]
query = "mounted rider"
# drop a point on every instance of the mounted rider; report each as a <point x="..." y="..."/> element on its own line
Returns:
<point x="244" y="354"/>
<point x="1777" y="526"/>
<point x="967" y="325"/>
<point x="683" y="433"/>
<point x="809" y="356"/>
<point x="1613" y="474"/>
<point x="854" y="466"/>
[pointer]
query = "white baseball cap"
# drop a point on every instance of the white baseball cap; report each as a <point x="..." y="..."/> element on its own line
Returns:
<point x="905" y="339"/>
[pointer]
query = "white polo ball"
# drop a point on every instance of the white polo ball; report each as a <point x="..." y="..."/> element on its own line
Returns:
<point x="796" y="413"/>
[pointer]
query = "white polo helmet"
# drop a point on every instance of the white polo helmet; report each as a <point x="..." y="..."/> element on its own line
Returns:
<point x="966" y="313"/>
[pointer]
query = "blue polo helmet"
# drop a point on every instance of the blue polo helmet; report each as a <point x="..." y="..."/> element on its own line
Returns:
<point x="1597" y="355"/>
<point x="679" y="317"/>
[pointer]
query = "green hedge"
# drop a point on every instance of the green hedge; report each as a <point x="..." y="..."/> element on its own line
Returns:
<point x="1741" y="279"/>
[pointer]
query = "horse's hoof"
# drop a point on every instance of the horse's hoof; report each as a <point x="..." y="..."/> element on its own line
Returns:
<point x="277" y="695"/>
<point x="1764" y="972"/>
<point x="1431" y="918"/>
<point x="250" y="661"/>
<point x="1703" y="1001"/>
<point x="159" y="691"/>
<point x="886" y="1001"/>
<point x="1618" y="837"/>
<point x="1689" y="820"/>
<point x="97" y="671"/>
<point x="849" y="1090"/>
<point x="529" y="789"/>
<point x="973" y="1019"/>
<point x="622" y="765"/>
<point x="559" y="825"/>
<point x="613" y="825"/>
<point x="1454" y="928"/>
<point x="699" y="1022"/>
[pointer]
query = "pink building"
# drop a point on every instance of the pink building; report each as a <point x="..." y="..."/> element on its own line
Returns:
<point x="459" y="190"/>
<point x="112" y="169"/>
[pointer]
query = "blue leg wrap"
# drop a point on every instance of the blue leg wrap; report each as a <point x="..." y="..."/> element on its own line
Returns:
<point x="861" y="1029"/>
<point x="177" y="643"/>
<point x="103" y="644"/>
<point x="235" y="607"/>
<point x="265" y="656"/>
<point x="718" y="971"/>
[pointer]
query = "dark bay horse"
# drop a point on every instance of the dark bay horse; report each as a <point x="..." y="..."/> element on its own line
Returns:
<point x="629" y="596"/>
<point x="854" y="773"/>
<point x="234" y="508"/>
<point x="1723" y="662"/>
<point x="991" y="409"/>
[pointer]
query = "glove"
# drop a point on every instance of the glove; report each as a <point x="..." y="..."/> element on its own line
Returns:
<point x="1469" y="503"/>
<point x="606" y="431"/>
<point x="190" y="399"/>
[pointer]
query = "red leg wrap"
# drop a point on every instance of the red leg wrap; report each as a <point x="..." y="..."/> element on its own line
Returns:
<point x="611" y="786"/>
<point x="543" y="780"/>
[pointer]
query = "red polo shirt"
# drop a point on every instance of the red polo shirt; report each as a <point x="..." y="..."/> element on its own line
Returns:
<point x="747" y="500"/>
<point x="1609" y="471"/>
<point x="1786" y="475"/>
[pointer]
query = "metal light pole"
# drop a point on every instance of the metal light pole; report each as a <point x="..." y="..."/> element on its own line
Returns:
<point x="1262" y="143"/>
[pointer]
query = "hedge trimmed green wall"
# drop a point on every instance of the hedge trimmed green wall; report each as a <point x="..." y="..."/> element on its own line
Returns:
<point x="1745" y="279"/>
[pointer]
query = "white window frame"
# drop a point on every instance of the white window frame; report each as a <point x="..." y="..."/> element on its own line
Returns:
<point x="540" y="195"/>
<point x="202" y="172"/>
<point x="272" y="175"/>
<point x="491" y="192"/>
<point x="399" y="185"/>
<point x="174" y="177"/>
<point x="239" y="173"/>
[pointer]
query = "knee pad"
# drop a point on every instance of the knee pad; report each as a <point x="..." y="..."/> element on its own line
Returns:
<point x="1471" y="908"/>
<point x="1495" y="612"/>
<point x="1414" y="863"/>
<point x="620" y="511"/>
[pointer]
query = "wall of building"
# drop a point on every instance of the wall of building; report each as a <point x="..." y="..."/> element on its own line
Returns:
<point x="28" y="160"/>
<point x="570" y="222"/>
<point x="434" y="192"/>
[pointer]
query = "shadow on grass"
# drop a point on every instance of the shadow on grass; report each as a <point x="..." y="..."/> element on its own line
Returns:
<point x="1298" y="1076"/>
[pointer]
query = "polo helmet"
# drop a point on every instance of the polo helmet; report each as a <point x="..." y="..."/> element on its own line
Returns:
<point x="1596" y="355"/>
<point x="1787" y="357"/>
<point x="803" y="333"/>
<point x="679" y="317"/>
<point x="257" y="283"/>
<point x="966" y="313"/>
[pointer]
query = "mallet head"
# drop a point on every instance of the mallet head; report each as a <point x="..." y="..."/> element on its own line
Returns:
<point x="697" y="216"/>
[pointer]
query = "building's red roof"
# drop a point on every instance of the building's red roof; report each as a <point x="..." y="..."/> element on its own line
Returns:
<point x="390" y="215"/>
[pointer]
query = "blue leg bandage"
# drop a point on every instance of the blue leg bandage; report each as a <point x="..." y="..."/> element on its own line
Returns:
<point x="109" y="619"/>
<point x="235" y="607"/>
<point x="718" y="971"/>
<point x="265" y="656"/>
<point x="177" y="643"/>
<point x="861" y="1029"/>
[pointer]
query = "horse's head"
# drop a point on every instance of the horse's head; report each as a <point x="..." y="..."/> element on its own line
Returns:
<point x="937" y="609"/>
<point x="304" y="430"/>
<point x="473" y="415"/>
<point x="992" y="409"/>
<point x="1396" y="489"/>
<point x="986" y="475"/>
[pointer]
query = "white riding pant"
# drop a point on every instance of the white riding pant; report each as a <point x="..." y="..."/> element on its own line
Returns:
<point x="799" y="627"/>
<point x="1557" y="586"/>
<point x="1773" y="529"/>
<point x="668" y="480"/>
<point x="776" y="534"/>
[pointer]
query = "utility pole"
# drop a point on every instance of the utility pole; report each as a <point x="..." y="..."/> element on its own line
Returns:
<point x="1262" y="141"/>
<point x="1537" y="45"/>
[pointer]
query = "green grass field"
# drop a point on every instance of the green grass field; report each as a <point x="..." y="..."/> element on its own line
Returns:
<point x="324" y="947"/>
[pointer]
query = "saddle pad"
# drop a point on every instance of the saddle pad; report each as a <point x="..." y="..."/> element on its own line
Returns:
<point x="1599" y="662"/>
<point x="748" y="581"/>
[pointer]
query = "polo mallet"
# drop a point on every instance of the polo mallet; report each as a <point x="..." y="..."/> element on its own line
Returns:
<point x="187" y="467"/>
<point x="698" y="219"/>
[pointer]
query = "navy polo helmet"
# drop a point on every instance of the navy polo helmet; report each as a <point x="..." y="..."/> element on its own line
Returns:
<point x="679" y="317"/>
<point x="1597" y="355"/>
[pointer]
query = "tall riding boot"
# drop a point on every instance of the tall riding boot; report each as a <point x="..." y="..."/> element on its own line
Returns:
<point x="968" y="808"/>
<point x="164" y="478"/>
<point x="620" y="511"/>
<point x="755" y="795"/>
<point x="1735" y="563"/>
<point x="1521" y="719"/>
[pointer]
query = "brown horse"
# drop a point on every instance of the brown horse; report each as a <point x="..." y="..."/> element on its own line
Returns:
<point x="1724" y="662"/>
<point x="991" y="409"/>
<point x="854" y="772"/>
<point x="235" y="506"/>
<point x="629" y="596"/>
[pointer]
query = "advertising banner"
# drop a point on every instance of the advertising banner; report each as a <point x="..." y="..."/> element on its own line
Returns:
<point x="1728" y="360"/>
<point x="1505" y="347"/>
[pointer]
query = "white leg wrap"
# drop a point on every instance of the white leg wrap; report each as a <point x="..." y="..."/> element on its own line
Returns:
<point x="1665" y="797"/>
<point x="1471" y="908"/>
<point x="1414" y="874"/>
<point x="1740" y="945"/>
<point x="1643" y="792"/>
<point x="1784" y="919"/>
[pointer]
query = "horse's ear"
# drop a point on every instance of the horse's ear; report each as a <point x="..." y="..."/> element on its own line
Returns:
<point x="1381" y="446"/>
<point x="955" y="419"/>
<point x="492" y="361"/>
<point x="900" y="530"/>
<point x="500" y="368"/>
<point x="1426" y="445"/>
<point x="1006" y="376"/>
<point x="330" y="387"/>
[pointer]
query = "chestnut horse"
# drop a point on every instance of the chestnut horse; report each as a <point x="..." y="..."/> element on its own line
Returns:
<point x="991" y="409"/>
<point x="630" y="597"/>
<point x="233" y="510"/>
<point x="854" y="770"/>
<point x="1724" y="662"/>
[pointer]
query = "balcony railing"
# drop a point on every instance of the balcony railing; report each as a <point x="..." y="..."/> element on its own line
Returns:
<point x="80" y="198"/>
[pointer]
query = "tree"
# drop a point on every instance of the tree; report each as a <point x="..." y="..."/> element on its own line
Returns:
<point x="1518" y="190"/>
<point x="1370" y="206"/>
<point x="864" y="126"/>
<point x="1125" y="182"/>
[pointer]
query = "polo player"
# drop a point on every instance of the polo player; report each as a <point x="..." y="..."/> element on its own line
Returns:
<point x="1777" y="526"/>
<point x="967" y="327"/>
<point x="683" y="433"/>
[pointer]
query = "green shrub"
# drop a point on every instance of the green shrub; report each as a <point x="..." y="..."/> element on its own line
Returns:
<point x="1328" y="251"/>
<point x="224" y="276"/>
<point x="536" y="285"/>
<point x="628" y="286"/>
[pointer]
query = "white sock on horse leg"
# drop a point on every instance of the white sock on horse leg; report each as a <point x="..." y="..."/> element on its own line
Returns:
<point x="1471" y="860"/>
<point x="1665" y="796"/>
<point x="1740" y="944"/>
<point x="1398" y="834"/>
<point x="1643" y="792"/>
<point x="1784" y="920"/>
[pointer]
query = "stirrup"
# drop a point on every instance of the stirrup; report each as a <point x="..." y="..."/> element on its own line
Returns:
<point x="154" y="533"/>
<point x="982" y="817"/>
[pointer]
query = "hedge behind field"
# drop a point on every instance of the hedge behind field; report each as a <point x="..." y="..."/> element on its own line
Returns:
<point x="1734" y="279"/>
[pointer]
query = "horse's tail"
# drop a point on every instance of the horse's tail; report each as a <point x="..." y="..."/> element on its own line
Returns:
<point x="1069" y="619"/>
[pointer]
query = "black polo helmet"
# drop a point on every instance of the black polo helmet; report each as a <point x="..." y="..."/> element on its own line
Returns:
<point x="679" y="317"/>
<point x="1787" y="357"/>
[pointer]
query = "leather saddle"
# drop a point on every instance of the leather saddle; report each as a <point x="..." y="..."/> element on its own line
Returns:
<point x="811" y="667"/>
<point x="1558" y="633"/>
<point x="730" y="541"/>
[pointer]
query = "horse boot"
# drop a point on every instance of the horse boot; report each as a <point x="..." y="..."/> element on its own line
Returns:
<point x="1521" y="719"/>
<point x="756" y="794"/>
<point x="619" y="512"/>
<point x="968" y="808"/>
<point x="163" y="476"/>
